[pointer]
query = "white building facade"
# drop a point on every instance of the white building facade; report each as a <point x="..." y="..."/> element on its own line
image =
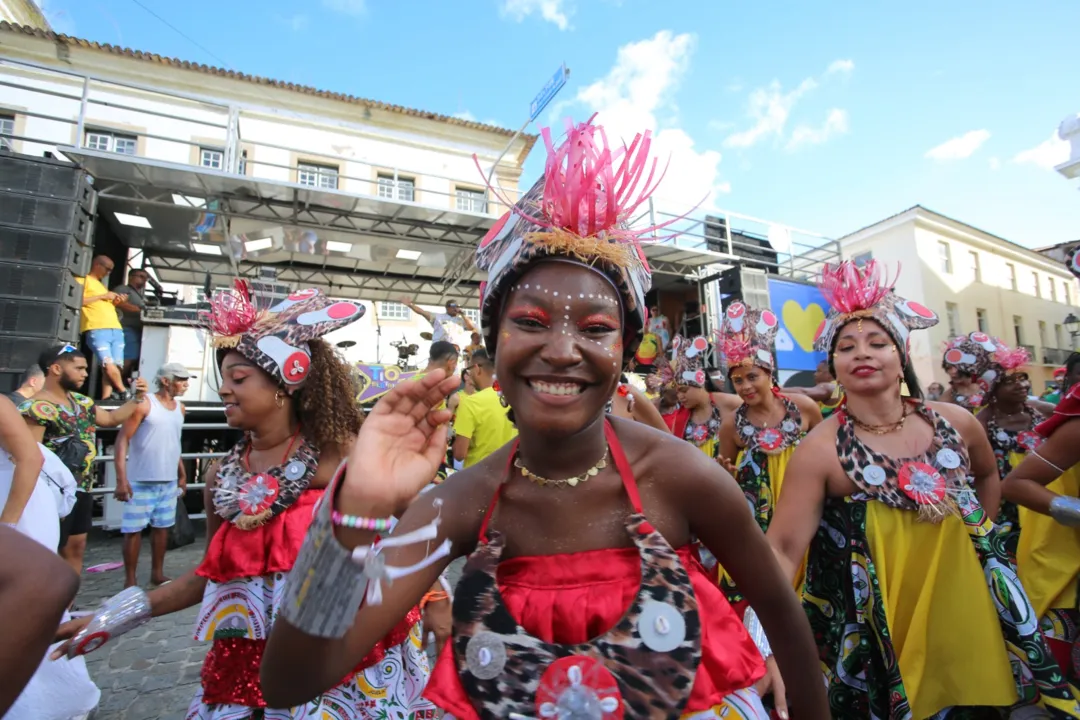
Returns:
<point x="974" y="281"/>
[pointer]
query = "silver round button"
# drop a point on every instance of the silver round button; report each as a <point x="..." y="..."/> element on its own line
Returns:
<point x="874" y="475"/>
<point x="948" y="458"/>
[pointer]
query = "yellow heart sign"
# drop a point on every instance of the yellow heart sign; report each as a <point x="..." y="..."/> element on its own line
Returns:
<point x="802" y="323"/>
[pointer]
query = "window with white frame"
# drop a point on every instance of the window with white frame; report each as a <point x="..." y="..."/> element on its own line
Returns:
<point x="952" y="315"/>
<point x="1011" y="270"/>
<point x="7" y="127"/>
<point x="1035" y="282"/>
<point x="107" y="141"/>
<point x="473" y="315"/>
<point x="862" y="258"/>
<point x="388" y="310"/>
<point x="211" y="158"/>
<point x="1065" y="293"/>
<point x="468" y="200"/>
<point x="976" y="269"/>
<point x="320" y="176"/>
<point x="243" y="162"/>
<point x="1053" y="290"/>
<point x="403" y="188"/>
<point x="1018" y="329"/>
<point x="944" y="257"/>
<point x="983" y="320"/>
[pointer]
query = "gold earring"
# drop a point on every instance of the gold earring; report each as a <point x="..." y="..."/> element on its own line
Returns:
<point x="279" y="398"/>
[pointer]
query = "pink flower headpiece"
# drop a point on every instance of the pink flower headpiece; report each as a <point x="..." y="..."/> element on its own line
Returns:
<point x="855" y="293"/>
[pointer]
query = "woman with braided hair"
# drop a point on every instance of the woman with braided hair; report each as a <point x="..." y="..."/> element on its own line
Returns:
<point x="292" y="395"/>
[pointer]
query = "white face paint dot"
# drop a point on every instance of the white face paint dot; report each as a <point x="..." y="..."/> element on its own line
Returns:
<point x="526" y="286"/>
<point x="581" y="295"/>
<point x="566" y="317"/>
<point x="567" y="307"/>
<point x="556" y="293"/>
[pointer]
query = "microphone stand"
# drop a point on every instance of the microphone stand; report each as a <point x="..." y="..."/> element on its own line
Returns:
<point x="378" y="336"/>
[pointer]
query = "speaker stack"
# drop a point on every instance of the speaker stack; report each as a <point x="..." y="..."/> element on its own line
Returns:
<point x="47" y="210"/>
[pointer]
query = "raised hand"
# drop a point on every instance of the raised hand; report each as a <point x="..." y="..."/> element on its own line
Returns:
<point x="400" y="446"/>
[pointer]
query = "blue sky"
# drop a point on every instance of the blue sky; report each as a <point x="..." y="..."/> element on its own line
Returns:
<point x="827" y="116"/>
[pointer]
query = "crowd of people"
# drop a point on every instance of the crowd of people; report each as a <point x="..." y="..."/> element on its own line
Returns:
<point x="902" y="557"/>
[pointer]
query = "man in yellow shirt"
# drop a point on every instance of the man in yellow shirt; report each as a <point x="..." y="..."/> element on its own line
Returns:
<point x="480" y="425"/>
<point x="101" y="325"/>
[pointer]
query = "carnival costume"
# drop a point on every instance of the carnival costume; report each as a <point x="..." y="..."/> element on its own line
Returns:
<point x="1010" y="446"/>
<point x="969" y="356"/>
<point x="265" y="518"/>
<point x="660" y="380"/>
<point x="746" y="338"/>
<point x="551" y="636"/>
<point x="689" y="370"/>
<point x="1048" y="555"/>
<point x="910" y="594"/>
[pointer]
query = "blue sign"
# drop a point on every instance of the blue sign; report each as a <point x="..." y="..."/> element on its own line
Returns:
<point x="800" y="309"/>
<point x="550" y="90"/>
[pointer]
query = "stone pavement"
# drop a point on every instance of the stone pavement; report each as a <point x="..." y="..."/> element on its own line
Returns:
<point x="152" y="672"/>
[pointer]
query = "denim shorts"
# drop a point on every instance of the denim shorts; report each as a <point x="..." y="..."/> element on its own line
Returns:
<point x="132" y="343"/>
<point x="107" y="344"/>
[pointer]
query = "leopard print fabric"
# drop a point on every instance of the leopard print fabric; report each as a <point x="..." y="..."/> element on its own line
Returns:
<point x="240" y="495"/>
<point x="770" y="440"/>
<point x="651" y="683"/>
<point x="878" y="476"/>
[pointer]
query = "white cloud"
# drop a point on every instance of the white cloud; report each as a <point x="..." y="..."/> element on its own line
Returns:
<point x="770" y="108"/>
<point x="464" y="115"/>
<point x="356" y="8"/>
<point x="836" y="123"/>
<point x="1047" y="154"/>
<point x="628" y="99"/>
<point x="553" y="11"/>
<point x="960" y="147"/>
<point x="995" y="163"/>
<point x="840" y="66"/>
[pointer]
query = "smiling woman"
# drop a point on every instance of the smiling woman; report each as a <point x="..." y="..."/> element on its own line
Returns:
<point x="582" y="596"/>
<point x="292" y="396"/>
<point x="909" y="582"/>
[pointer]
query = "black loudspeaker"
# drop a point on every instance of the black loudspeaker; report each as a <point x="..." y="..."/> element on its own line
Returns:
<point x="47" y="178"/>
<point x="46" y="219"/>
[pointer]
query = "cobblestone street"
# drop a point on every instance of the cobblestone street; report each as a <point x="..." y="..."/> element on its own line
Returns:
<point x="152" y="672"/>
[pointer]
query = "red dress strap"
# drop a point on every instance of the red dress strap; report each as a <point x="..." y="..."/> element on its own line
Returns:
<point x="623" y="466"/>
<point x="498" y="492"/>
<point x="617" y="454"/>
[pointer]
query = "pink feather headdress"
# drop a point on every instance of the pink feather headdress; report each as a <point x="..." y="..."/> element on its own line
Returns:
<point x="855" y="293"/>
<point x="746" y="337"/>
<point x="231" y="314"/>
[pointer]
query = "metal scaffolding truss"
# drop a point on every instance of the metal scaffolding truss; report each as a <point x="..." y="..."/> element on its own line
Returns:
<point x="340" y="283"/>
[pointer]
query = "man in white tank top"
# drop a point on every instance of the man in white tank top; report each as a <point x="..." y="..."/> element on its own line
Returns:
<point x="149" y="472"/>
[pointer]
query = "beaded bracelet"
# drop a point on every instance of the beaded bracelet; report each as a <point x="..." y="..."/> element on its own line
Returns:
<point x="362" y="523"/>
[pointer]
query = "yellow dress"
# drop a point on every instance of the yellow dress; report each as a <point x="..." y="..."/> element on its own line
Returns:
<point x="912" y="616"/>
<point x="760" y="470"/>
<point x="1048" y="557"/>
<point x="935" y="635"/>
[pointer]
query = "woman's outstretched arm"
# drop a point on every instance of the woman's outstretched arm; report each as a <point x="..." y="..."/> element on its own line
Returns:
<point x="717" y="513"/>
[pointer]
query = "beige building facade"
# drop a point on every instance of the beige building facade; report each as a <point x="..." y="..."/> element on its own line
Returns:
<point x="974" y="281"/>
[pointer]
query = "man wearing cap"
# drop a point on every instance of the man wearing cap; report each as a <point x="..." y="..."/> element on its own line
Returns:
<point x="450" y="326"/>
<point x="65" y="421"/>
<point x="149" y="472"/>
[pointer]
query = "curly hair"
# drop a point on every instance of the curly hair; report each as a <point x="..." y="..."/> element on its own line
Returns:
<point x="326" y="405"/>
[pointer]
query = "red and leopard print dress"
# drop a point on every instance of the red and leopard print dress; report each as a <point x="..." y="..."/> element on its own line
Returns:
<point x="636" y="632"/>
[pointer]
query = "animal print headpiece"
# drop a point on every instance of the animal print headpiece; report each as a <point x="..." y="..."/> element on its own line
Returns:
<point x="983" y="358"/>
<point x="663" y="375"/>
<point x="580" y="210"/>
<point x="1072" y="260"/>
<point x="746" y="338"/>
<point x="855" y="293"/>
<point x="276" y="339"/>
<point x="689" y="360"/>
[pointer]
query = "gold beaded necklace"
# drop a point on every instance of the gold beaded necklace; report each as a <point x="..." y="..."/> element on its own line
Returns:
<point x="571" y="481"/>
